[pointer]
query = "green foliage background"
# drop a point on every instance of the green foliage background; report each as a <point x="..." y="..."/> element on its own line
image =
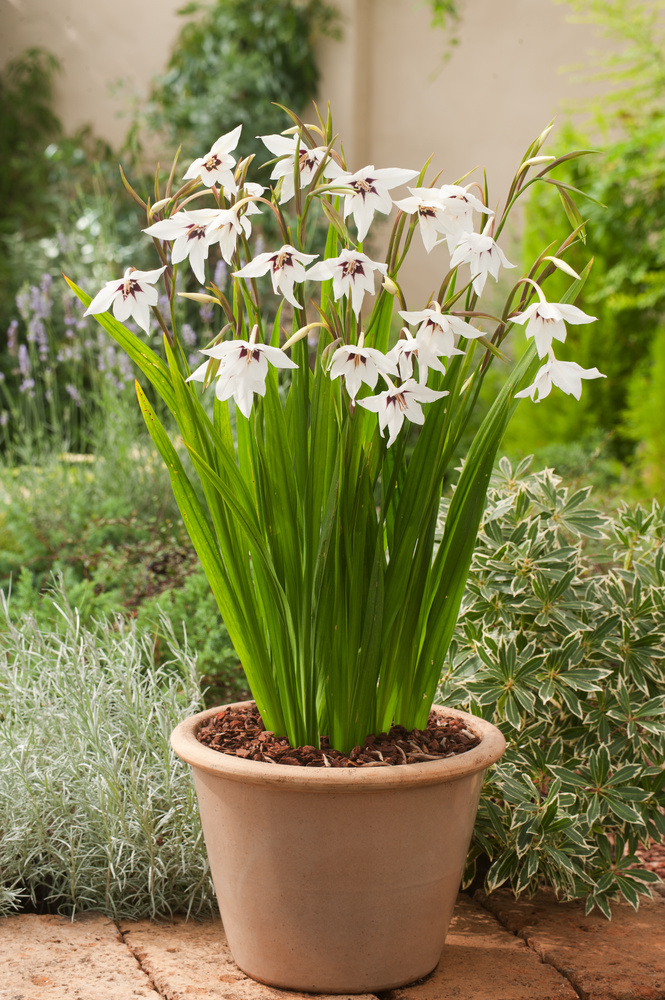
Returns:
<point x="626" y="236"/>
<point x="232" y="61"/>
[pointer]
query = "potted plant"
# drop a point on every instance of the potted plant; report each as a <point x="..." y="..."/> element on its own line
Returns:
<point x="320" y="478"/>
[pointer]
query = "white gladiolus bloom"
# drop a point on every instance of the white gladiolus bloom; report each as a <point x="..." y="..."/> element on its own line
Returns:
<point x="432" y="218"/>
<point x="483" y="256"/>
<point x="352" y="274"/>
<point x="360" y="364"/>
<point x="546" y="321"/>
<point x="566" y="375"/>
<point x="398" y="402"/>
<point x="226" y="225"/>
<point x="216" y="167"/>
<point x="286" y="266"/>
<point x="437" y="330"/>
<point x="309" y="161"/>
<point x="131" y="295"/>
<point x="406" y="350"/>
<point x="403" y="354"/>
<point x="458" y="206"/>
<point x="369" y="191"/>
<point x="243" y="369"/>
<point x="189" y="232"/>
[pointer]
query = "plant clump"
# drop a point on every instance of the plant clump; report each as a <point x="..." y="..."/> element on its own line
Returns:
<point x="561" y="644"/>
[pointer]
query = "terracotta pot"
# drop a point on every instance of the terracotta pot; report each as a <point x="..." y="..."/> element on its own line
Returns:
<point x="337" y="880"/>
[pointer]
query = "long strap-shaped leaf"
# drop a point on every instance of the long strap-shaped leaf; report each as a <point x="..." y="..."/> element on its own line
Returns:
<point x="451" y="565"/>
<point x="243" y="627"/>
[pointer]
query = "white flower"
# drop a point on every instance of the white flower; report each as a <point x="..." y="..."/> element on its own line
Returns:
<point x="566" y="375"/>
<point x="398" y="402"/>
<point x="352" y="273"/>
<point x="309" y="161"/>
<point x="131" y="295"/>
<point x="482" y="255"/>
<point x="545" y="321"/>
<point x="458" y="206"/>
<point x="225" y="226"/>
<point x="216" y="167"/>
<point x="251" y="190"/>
<point x="406" y="350"/>
<point x="432" y="218"/>
<point x="403" y="354"/>
<point x="243" y="369"/>
<point x="437" y="332"/>
<point x="189" y="232"/>
<point x="285" y="266"/>
<point x="369" y="192"/>
<point x="360" y="364"/>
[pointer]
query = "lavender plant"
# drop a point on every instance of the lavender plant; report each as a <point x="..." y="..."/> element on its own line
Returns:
<point x="318" y="519"/>
<point x="61" y="373"/>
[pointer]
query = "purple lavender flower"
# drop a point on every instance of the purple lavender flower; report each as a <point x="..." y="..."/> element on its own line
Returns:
<point x="12" y="337"/>
<point x="188" y="335"/>
<point x="24" y="361"/>
<point x="221" y="273"/>
<point x="125" y="368"/>
<point x="206" y="312"/>
<point x="73" y="393"/>
<point x="23" y="305"/>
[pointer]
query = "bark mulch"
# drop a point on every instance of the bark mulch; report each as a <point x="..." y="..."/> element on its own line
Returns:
<point x="240" y="732"/>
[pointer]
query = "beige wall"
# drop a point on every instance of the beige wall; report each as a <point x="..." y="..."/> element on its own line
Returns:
<point x="109" y="50"/>
<point x="395" y="98"/>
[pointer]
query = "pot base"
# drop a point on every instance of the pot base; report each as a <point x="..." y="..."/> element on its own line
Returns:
<point x="337" y="880"/>
<point x="344" y="989"/>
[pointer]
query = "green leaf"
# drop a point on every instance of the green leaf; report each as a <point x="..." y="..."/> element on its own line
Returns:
<point x="501" y="870"/>
<point x="243" y="629"/>
<point x="622" y="810"/>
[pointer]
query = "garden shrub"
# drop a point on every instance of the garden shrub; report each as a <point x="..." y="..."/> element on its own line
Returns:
<point x="625" y="234"/>
<point x="95" y="810"/>
<point x="111" y="528"/>
<point x="561" y="643"/>
<point x="625" y="289"/>
<point x="193" y="616"/>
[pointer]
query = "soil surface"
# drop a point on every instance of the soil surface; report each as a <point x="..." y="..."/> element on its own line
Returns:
<point x="240" y="732"/>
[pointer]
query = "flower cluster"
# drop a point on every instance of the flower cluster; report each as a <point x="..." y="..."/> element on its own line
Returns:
<point x="443" y="214"/>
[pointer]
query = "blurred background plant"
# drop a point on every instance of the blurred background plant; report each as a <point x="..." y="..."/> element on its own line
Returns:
<point x="232" y="63"/>
<point x="625" y="233"/>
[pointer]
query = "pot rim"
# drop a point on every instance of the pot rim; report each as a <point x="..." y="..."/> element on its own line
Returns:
<point x="337" y="779"/>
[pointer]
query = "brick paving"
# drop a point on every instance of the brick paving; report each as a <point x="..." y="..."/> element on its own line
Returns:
<point x="497" y="949"/>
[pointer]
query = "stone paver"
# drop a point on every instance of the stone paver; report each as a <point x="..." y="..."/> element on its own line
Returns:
<point x="621" y="959"/>
<point x="191" y="961"/>
<point x="497" y="949"/>
<point x="53" y="958"/>
<point x="481" y="960"/>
